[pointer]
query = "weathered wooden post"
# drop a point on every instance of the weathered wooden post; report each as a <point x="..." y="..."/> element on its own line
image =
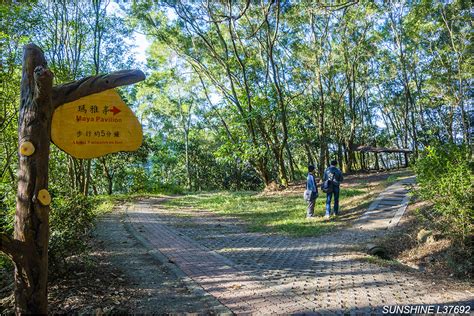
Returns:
<point x="28" y="249"/>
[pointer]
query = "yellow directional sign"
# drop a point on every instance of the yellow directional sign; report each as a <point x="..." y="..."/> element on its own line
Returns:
<point x="96" y="125"/>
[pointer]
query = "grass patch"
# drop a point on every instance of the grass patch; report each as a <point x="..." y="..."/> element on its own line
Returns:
<point x="103" y="205"/>
<point x="283" y="214"/>
<point x="399" y="176"/>
<point x="392" y="179"/>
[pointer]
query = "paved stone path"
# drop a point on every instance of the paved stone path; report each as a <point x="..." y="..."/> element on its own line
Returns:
<point x="158" y="290"/>
<point x="256" y="273"/>
<point x="388" y="208"/>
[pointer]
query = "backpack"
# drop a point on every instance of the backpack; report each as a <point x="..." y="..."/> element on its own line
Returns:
<point x="328" y="185"/>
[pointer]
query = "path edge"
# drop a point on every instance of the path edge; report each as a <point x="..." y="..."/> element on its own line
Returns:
<point x="190" y="284"/>
<point x="393" y="222"/>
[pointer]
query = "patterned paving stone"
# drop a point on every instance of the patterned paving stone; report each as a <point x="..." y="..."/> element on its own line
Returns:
<point x="387" y="209"/>
<point x="255" y="273"/>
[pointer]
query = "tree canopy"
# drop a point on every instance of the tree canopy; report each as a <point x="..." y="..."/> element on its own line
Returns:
<point x="240" y="94"/>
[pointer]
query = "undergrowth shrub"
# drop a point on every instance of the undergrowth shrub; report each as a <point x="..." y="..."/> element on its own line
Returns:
<point x="7" y="215"/>
<point x="7" y="208"/>
<point x="71" y="219"/>
<point x="445" y="178"/>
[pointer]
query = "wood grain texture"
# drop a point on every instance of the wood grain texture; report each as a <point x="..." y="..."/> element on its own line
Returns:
<point x="75" y="90"/>
<point x="31" y="218"/>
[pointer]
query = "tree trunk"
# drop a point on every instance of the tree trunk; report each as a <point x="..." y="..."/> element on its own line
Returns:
<point x="309" y="156"/>
<point x="307" y="147"/>
<point x="346" y="159"/>
<point x="87" y="178"/>
<point x="261" y="168"/>
<point x="351" y="158"/>
<point x="362" y="161"/>
<point x="464" y="117"/>
<point x="406" y="160"/>
<point x="186" y="152"/>
<point x="291" y="163"/>
<point x="70" y="167"/>
<point x="383" y="162"/>
<point x="32" y="217"/>
<point x="282" y="169"/>
<point x="108" y="176"/>
<point x="339" y="155"/>
<point x="357" y="162"/>
<point x="327" y="156"/>
<point x="82" y="175"/>
<point x="322" y="141"/>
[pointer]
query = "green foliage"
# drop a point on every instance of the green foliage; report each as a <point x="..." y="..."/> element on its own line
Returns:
<point x="7" y="208"/>
<point x="445" y="176"/>
<point x="71" y="219"/>
<point x="221" y="108"/>
<point x="104" y="204"/>
<point x="5" y="262"/>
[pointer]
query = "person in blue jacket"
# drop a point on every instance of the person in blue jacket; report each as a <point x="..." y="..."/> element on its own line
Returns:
<point x="334" y="174"/>
<point x="311" y="185"/>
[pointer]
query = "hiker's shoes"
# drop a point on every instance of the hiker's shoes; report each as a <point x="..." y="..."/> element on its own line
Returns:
<point x="326" y="217"/>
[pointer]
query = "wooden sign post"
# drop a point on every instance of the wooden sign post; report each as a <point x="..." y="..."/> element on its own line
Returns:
<point x="28" y="249"/>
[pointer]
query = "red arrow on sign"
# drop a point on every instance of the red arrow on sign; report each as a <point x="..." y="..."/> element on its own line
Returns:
<point x="114" y="110"/>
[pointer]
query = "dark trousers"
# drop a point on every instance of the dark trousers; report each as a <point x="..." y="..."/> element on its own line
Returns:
<point x="335" y="192"/>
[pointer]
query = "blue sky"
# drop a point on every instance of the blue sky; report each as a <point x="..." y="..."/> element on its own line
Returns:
<point x="138" y="40"/>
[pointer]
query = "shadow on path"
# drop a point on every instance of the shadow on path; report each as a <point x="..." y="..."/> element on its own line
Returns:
<point x="267" y="273"/>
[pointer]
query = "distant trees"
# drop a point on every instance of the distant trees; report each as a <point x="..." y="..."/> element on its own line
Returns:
<point x="252" y="91"/>
<point x="305" y="83"/>
<point x="79" y="39"/>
